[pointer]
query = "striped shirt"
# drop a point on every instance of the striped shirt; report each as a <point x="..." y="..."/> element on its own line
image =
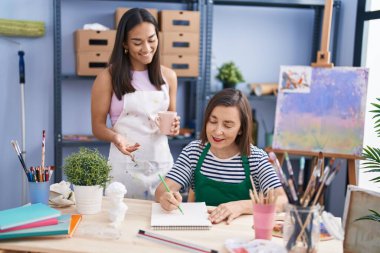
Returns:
<point x="228" y="170"/>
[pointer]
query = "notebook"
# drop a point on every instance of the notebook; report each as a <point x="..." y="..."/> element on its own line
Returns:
<point x="48" y="222"/>
<point x="67" y="224"/>
<point x="26" y="214"/>
<point x="195" y="217"/>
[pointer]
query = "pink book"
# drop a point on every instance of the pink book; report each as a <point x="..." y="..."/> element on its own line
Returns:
<point x="48" y="222"/>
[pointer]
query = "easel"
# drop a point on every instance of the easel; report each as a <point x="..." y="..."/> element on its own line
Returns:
<point x="323" y="61"/>
<point x="280" y="153"/>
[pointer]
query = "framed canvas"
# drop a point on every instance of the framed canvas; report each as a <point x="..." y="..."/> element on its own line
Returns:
<point x="362" y="235"/>
<point x="321" y="109"/>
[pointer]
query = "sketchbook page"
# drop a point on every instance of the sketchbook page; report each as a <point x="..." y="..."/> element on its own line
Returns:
<point x="194" y="214"/>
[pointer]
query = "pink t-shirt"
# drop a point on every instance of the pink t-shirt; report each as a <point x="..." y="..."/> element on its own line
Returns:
<point x="140" y="81"/>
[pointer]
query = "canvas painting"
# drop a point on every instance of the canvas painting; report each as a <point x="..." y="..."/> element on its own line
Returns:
<point x="321" y="109"/>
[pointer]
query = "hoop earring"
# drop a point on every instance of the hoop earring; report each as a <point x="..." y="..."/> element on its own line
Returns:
<point x="125" y="51"/>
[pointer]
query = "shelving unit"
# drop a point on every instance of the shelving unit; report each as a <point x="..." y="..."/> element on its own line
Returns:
<point x="316" y="5"/>
<point x="191" y="85"/>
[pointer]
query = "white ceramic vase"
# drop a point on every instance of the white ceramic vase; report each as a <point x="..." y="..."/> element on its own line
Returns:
<point x="88" y="199"/>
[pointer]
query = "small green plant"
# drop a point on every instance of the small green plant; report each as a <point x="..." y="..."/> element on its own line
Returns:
<point x="229" y="75"/>
<point x="87" y="167"/>
<point x="372" y="163"/>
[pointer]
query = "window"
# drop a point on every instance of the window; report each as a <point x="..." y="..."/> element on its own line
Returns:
<point x="367" y="54"/>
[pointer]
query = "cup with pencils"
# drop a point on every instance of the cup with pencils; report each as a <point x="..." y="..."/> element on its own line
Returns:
<point x="264" y="209"/>
<point x="38" y="177"/>
<point x="39" y="184"/>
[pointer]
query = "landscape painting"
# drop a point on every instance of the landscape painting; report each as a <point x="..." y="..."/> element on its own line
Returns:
<point x="329" y="117"/>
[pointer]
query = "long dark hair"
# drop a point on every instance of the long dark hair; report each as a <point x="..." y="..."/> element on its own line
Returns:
<point x="120" y="65"/>
<point x="228" y="98"/>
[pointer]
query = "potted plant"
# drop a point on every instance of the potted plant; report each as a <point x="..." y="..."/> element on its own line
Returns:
<point x="372" y="163"/>
<point x="89" y="173"/>
<point x="229" y="75"/>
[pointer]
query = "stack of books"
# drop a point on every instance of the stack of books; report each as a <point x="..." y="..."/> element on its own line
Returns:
<point x="36" y="220"/>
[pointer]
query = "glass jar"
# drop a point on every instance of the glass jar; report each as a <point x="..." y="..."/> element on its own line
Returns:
<point x="302" y="228"/>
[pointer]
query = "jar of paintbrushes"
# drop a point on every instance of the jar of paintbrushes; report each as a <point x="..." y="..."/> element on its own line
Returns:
<point x="301" y="229"/>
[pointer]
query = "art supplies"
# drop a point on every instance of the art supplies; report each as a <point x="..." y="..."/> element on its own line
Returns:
<point x="19" y="155"/>
<point x="189" y="247"/>
<point x="264" y="209"/>
<point x="43" y="149"/>
<point x="253" y="246"/>
<point x="195" y="217"/>
<point x="301" y="174"/>
<point x="168" y="190"/>
<point x="303" y="207"/>
<point x="39" y="173"/>
<point x="26" y="214"/>
<point x="67" y="224"/>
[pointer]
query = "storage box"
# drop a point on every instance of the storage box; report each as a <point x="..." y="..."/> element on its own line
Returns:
<point x="120" y="12"/>
<point x="89" y="40"/>
<point x="179" y="21"/>
<point x="183" y="65"/>
<point x="179" y="43"/>
<point x="91" y="63"/>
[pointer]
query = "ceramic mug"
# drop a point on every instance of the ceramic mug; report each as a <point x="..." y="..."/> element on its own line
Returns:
<point x="164" y="121"/>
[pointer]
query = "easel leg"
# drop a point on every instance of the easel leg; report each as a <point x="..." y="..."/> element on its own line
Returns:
<point x="351" y="172"/>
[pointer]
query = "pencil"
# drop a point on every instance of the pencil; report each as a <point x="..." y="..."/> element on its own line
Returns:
<point x="168" y="190"/>
<point x="43" y="150"/>
<point x="174" y="242"/>
<point x="254" y="190"/>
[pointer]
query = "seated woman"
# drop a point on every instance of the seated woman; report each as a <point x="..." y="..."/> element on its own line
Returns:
<point x="218" y="166"/>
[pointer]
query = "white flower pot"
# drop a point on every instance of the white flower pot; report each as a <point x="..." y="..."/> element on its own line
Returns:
<point x="88" y="199"/>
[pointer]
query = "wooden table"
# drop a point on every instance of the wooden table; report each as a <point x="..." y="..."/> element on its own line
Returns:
<point x="92" y="235"/>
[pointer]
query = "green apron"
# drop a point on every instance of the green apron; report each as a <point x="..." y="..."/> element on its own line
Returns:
<point x="215" y="193"/>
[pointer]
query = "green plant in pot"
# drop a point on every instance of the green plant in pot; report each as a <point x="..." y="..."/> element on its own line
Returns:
<point x="372" y="161"/>
<point x="229" y="75"/>
<point x="89" y="172"/>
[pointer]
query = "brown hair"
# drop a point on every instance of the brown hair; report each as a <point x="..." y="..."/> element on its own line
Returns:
<point x="120" y="64"/>
<point x="232" y="97"/>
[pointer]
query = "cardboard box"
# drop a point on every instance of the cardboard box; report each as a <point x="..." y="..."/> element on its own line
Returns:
<point x="89" y="40"/>
<point x="179" y="21"/>
<point x="120" y="12"/>
<point x="179" y="43"/>
<point x="91" y="63"/>
<point x="183" y="65"/>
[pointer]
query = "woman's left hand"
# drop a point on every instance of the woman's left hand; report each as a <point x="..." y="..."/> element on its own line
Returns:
<point x="227" y="211"/>
<point x="175" y="126"/>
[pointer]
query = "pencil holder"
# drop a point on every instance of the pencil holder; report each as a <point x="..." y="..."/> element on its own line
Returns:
<point x="39" y="192"/>
<point x="263" y="220"/>
<point x="302" y="228"/>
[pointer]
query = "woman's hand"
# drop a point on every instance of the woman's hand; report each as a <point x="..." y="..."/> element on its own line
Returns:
<point x="227" y="211"/>
<point x="175" y="126"/>
<point x="170" y="200"/>
<point x="122" y="144"/>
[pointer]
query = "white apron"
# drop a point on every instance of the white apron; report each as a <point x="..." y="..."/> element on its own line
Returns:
<point x="136" y="124"/>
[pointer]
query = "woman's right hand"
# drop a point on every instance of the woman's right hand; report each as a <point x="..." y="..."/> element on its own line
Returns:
<point x="170" y="200"/>
<point x="122" y="144"/>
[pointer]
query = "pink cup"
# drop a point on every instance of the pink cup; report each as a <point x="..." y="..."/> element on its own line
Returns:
<point x="263" y="220"/>
<point x="165" y="120"/>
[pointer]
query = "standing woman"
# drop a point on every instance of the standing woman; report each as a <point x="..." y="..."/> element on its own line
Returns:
<point x="132" y="90"/>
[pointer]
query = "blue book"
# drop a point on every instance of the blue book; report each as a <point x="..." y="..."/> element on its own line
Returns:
<point x="62" y="228"/>
<point x="26" y="214"/>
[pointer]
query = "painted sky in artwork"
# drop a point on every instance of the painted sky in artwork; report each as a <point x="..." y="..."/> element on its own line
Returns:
<point x="329" y="117"/>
